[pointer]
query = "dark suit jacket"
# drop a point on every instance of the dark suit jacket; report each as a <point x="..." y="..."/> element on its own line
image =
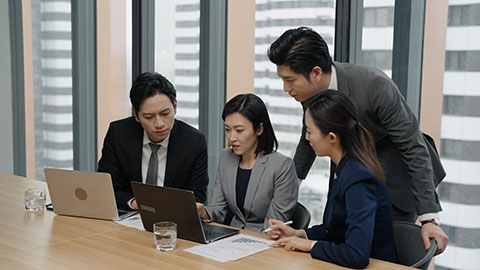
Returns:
<point x="186" y="166"/>
<point x="357" y="222"/>
<point x="412" y="166"/>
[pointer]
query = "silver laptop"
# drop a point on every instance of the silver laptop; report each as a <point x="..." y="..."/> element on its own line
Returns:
<point x="176" y="205"/>
<point x="83" y="194"/>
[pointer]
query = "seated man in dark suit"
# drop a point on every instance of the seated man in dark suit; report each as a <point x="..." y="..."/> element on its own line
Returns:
<point x="152" y="147"/>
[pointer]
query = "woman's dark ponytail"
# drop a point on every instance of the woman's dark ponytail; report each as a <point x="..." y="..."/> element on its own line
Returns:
<point x="333" y="111"/>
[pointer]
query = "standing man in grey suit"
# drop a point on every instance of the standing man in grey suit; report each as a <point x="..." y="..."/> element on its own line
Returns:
<point x="411" y="164"/>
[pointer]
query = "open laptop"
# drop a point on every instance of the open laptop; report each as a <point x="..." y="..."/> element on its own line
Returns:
<point x="176" y="205"/>
<point x="83" y="194"/>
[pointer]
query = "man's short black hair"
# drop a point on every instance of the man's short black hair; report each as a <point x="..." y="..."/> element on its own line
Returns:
<point x="301" y="49"/>
<point x="149" y="84"/>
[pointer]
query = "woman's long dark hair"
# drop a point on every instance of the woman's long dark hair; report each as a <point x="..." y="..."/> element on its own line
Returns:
<point x="253" y="108"/>
<point x="333" y="111"/>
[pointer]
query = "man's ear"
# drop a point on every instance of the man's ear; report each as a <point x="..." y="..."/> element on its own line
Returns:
<point x="175" y="106"/>
<point x="134" y="113"/>
<point x="316" y="74"/>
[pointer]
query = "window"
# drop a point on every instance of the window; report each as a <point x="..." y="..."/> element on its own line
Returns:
<point x="272" y="18"/>
<point x="177" y="52"/>
<point x="460" y="139"/>
<point x="52" y="84"/>
<point x="377" y="34"/>
<point x="467" y="60"/>
<point x="464" y="15"/>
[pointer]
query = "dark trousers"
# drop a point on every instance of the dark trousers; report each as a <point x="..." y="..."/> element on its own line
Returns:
<point x="400" y="215"/>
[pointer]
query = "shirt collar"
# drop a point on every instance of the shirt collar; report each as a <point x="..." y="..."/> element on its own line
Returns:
<point x="333" y="79"/>
<point x="163" y="143"/>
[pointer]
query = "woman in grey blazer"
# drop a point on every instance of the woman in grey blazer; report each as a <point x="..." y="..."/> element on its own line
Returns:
<point x="254" y="183"/>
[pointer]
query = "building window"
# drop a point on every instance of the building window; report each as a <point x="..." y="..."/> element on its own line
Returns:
<point x="460" y="139"/>
<point x="52" y="85"/>
<point x="272" y="18"/>
<point x="177" y="52"/>
<point x="377" y="34"/>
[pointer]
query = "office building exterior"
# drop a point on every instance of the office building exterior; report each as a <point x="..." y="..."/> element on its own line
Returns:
<point x="52" y="71"/>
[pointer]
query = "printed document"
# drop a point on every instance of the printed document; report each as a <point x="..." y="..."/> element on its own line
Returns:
<point x="134" y="221"/>
<point x="231" y="248"/>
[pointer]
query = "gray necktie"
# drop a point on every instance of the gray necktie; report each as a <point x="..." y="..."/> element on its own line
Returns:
<point x="153" y="165"/>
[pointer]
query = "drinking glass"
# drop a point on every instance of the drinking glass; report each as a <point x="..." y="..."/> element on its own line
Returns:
<point x="35" y="199"/>
<point x="165" y="235"/>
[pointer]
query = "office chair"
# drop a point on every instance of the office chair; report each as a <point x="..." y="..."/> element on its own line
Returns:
<point x="301" y="217"/>
<point x="409" y="245"/>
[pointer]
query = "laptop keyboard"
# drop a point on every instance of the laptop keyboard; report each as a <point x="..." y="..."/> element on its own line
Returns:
<point x="212" y="234"/>
<point x="122" y="214"/>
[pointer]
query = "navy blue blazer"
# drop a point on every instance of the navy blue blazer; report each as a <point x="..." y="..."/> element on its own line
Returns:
<point x="186" y="166"/>
<point x="357" y="222"/>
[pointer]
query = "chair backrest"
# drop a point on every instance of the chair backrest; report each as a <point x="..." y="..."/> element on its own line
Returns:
<point x="409" y="245"/>
<point x="301" y="217"/>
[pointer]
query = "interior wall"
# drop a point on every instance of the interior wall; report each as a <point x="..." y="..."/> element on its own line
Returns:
<point x="436" y="15"/>
<point x="240" y="47"/>
<point x="111" y="63"/>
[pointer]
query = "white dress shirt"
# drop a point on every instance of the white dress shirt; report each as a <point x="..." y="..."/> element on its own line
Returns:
<point x="161" y="157"/>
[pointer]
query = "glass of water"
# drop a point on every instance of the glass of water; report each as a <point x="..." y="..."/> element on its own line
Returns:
<point x="165" y="235"/>
<point x="35" y="199"/>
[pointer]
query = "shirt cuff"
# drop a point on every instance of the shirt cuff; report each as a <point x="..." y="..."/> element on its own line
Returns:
<point x="129" y="203"/>
<point x="428" y="216"/>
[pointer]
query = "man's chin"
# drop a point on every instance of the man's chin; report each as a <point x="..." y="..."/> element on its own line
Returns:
<point x="157" y="138"/>
<point x="298" y="99"/>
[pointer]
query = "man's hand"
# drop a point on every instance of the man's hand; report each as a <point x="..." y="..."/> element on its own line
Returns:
<point x="134" y="203"/>
<point x="430" y="230"/>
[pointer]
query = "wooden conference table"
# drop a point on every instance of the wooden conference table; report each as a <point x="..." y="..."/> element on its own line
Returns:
<point x="44" y="240"/>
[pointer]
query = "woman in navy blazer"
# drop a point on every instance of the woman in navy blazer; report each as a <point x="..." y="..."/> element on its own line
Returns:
<point x="254" y="183"/>
<point x="357" y="222"/>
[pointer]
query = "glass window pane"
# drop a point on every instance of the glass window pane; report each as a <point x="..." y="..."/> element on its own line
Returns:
<point x="272" y="18"/>
<point x="377" y="34"/>
<point x="52" y="71"/>
<point x="460" y="138"/>
<point x="177" y="52"/>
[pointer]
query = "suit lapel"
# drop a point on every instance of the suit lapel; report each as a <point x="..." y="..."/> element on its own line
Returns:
<point x="174" y="146"/>
<point x="255" y="178"/>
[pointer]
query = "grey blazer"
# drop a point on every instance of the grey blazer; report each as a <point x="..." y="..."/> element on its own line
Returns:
<point x="272" y="191"/>
<point x="411" y="164"/>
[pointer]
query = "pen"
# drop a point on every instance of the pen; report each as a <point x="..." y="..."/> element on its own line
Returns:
<point x="285" y="223"/>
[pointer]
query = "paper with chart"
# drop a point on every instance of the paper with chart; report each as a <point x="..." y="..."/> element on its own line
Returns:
<point x="232" y="248"/>
<point x="134" y="221"/>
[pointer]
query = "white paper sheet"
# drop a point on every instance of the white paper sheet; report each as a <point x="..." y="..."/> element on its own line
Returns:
<point x="231" y="248"/>
<point x="134" y="221"/>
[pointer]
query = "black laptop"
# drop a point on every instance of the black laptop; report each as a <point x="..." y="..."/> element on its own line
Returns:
<point x="176" y="205"/>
